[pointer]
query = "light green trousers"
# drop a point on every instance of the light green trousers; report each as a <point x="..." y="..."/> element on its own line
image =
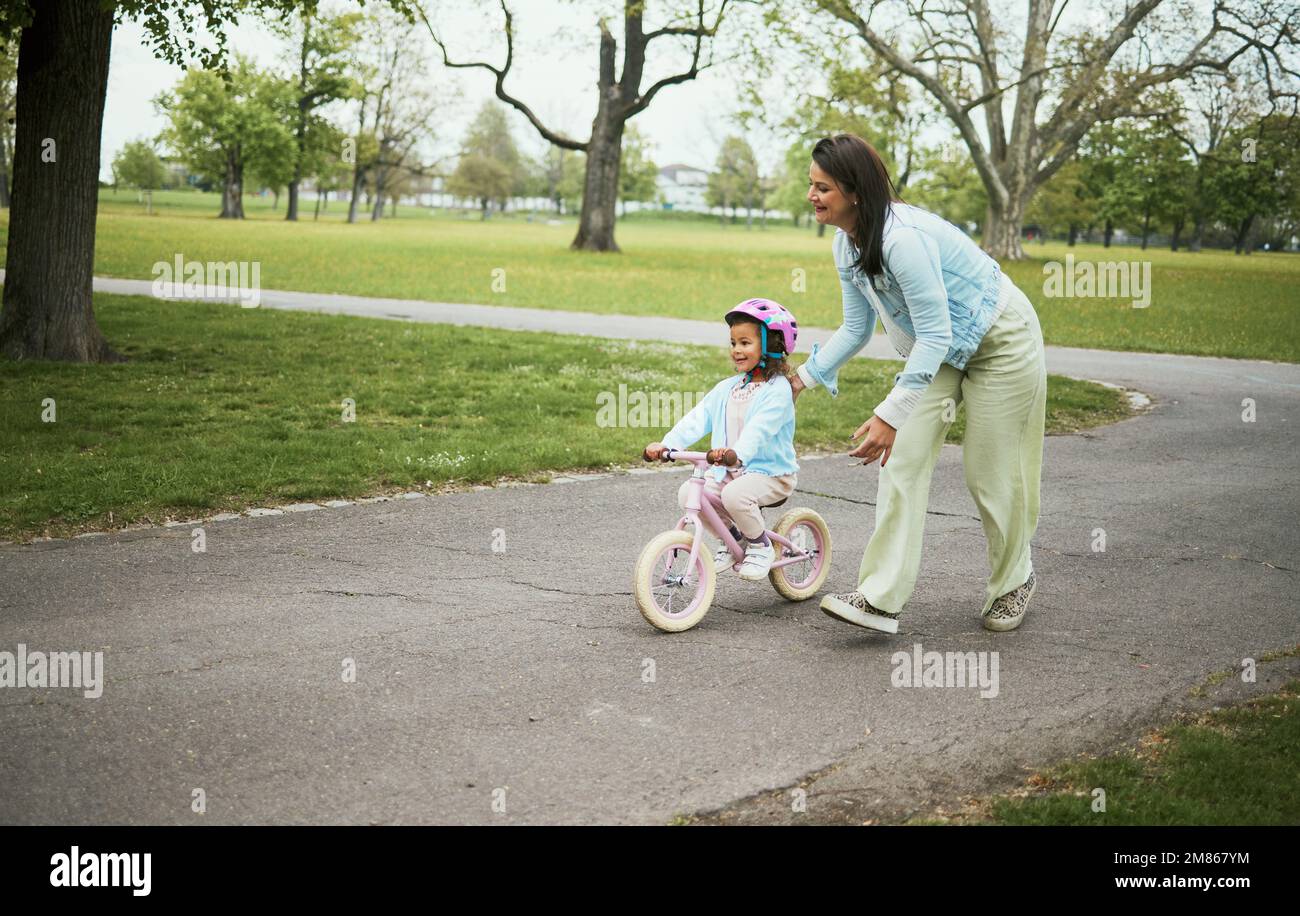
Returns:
<point x="1004" y="387"/>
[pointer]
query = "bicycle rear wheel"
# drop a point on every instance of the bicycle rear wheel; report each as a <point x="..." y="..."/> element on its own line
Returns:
<point x="808" y="531"/>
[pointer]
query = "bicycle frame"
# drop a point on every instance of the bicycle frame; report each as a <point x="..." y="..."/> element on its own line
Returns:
<point x="703" y="505"/>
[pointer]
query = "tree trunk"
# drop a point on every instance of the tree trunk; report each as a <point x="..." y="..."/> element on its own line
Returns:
<point x="1074" y="234"/>
<point x="232" y="195"/>
<point x="4" y="177"/>
<point x="1178" y="233"/>
<point x="1198" y="234"/>
<point x="300" y="128"/>
<point x="358" y="177"/>
<point x="62" y="83"/>
<point x="1107" y="234"/>
<point x="600" y="185"/>
<point x="316" y="215"/>
<point x="1003" y="228"/>
<point x="1146" y="228"/>
<point x="1240" y="245"/>
<point x="377" y="210"/>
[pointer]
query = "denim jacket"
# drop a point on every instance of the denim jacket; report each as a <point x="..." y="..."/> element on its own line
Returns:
<point x="938" y="293"/>
<point x="766" y="443"/>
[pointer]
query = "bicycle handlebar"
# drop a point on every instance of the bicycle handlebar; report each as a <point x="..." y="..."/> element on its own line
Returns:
<point x="696" y="458"/>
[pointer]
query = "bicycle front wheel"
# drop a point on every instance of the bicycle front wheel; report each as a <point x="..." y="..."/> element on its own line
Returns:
<point x="669" y="595"/>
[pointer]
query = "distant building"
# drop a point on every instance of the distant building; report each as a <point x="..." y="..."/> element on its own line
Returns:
<point x="683" y="187"/>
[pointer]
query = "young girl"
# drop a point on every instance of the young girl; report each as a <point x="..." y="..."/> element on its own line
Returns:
<point x="750" y="417"/>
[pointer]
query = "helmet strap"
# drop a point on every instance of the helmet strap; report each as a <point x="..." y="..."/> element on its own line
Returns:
<point x="762" y="360"/>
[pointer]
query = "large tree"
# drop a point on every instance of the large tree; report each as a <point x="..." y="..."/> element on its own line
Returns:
<point x="1060" y="81"/>
<point x="321" y="45"/>
<point x="619" y="98"/>
<point x="397" y="109"/>
<point x="489" y="168"/>
<point x="1217" y="105"/>
<point x="137" y="166"/>
<point x="59" y="115"/>
<point x="734" y="180"/>
<point x="227" y="125"/>
<point x="59" y="112"/>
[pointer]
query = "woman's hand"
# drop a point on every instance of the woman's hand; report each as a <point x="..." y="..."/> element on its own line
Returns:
<point x="796" y="386"/>
<point x="725" y="456"/>
<point x="879" y="442"/>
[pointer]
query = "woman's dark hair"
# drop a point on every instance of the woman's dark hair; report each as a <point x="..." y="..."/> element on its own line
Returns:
<point x="776" y="365"/>
<point x="858" y="170"/>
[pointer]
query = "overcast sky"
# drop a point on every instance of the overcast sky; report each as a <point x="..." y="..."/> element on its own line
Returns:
<point x="554" y="73"/>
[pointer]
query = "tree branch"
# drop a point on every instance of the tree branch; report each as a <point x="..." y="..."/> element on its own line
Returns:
<point x="961" y="119"/>
<point x="500" y="74"/>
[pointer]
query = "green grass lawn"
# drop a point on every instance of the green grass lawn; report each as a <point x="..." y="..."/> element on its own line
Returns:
<point x="1234" y="766"/>
<point x="1210" y="303"/>
<point x="223" y="408"/>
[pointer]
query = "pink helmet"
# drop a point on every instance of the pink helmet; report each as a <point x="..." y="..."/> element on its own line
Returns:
<point x="771" y="316"/>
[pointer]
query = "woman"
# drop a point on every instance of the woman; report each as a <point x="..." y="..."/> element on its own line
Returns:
<point x="968" y="334"/>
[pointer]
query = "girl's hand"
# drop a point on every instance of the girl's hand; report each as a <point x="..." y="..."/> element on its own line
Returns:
<point x="796" y="386"/>
<point x="879" y="442"/>
<point x="654" y="451"/>
<point x="725" y="456"/>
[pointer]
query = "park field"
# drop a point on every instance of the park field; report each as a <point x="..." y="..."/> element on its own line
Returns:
<point x="1208" y="303"/>
<point x="222" y="408"/>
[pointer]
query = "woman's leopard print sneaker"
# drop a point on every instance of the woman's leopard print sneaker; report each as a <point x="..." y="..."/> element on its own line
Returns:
<point x="1007" y="612"/>
<point x="854" y="608"/>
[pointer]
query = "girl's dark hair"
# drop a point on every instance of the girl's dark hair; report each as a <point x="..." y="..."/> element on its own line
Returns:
<point x="775" y="365"/>
<point x="858" y="170"/>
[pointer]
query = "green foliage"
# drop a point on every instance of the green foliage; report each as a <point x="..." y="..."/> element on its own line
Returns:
<point x="790" y="185"/>
<point x="490" y="169"/>
<point x="947" y="184"/>
<point x="137" y="166"/>
<point x="734" y="182"/>
<point x="211" y="118"/>
<point x="637" y="176"/>
<point x="1256" y="171"/>
<point x="1063" y="203"/>
<point x="322" y="48"/>
<point x="1151" y="174"/>
<point x="482" y="178"/>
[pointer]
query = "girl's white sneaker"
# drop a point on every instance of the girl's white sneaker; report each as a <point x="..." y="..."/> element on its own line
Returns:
<point x="722" y="559"/>
<point x="758" y="562"/>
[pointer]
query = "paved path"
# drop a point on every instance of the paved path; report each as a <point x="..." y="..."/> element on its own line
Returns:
<point x="519" y="675"/>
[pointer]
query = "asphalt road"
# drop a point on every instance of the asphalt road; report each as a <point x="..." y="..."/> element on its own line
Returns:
<point x="512" y="685"/>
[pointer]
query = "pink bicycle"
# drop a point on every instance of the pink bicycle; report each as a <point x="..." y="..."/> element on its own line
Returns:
<point x="675" y="578"/>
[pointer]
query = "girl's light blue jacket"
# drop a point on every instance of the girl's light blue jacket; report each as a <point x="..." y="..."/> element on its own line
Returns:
<point x="766" y="443"/>
<point x="941" y="294"/>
